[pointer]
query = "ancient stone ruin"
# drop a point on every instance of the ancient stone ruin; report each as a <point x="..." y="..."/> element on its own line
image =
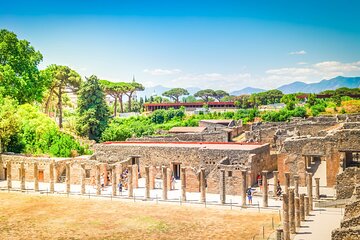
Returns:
<point x="206" y="161"/>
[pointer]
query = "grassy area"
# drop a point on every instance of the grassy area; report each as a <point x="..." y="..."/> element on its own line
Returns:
<point x="50" y="217"/>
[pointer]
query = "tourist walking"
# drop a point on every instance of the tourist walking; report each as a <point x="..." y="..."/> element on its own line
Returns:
<point x="249" y="195"/>
<point x="120" y="186"/>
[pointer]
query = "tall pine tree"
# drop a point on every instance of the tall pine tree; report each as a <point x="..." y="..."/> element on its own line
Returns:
<point x="92" y="109"/>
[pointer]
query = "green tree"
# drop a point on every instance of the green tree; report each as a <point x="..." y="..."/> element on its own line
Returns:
<point x="205" y="94"/>
<point x="243" y="101"/>
<point x="19" y="74"/>
<point x="289" y="100"/>
<point x="117" y="90"/>
<point x="133" y="87"/>
<point x="268" y="97"/>
<point x="62" y="78"/>
<point x="189" y="99"/>
<point x="92" y="109"/>
<point x="38" y="134"/>
<point x="311" y="100"/>
<point x="9" y="122"/>
<point x="219" y="94"/>
<point x="175" y="93"/>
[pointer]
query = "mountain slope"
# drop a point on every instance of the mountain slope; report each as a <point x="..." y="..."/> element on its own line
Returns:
<point x="331" y="84"/>
<point x="247" y="90"/>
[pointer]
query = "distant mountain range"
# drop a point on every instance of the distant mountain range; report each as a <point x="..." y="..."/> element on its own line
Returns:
<point x="331" y="84"/>
<point x="247" y="90"/>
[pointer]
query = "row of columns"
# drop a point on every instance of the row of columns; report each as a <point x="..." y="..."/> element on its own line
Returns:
<point x="244" y="184"/>
<point x="150" y="182"/>
<point x="294" y="211"/>
<point x="309" y="184"/>
<point x="132" y="181"/>
<point x="296" y="206"/>
<point x="51" y="176"/>
<point x="35" y="173"/>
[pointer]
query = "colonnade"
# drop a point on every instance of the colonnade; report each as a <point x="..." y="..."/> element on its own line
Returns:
<point x="296" y="206"/>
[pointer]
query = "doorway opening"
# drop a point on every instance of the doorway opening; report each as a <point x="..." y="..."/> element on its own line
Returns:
<point x="176" y="170"/>
<point x="41" y="175"/>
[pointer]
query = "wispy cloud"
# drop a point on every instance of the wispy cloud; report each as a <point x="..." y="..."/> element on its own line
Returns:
<point x="314" y="72"/>
<point x="271" y="78"/>
<point x="301" y="52"/>
<point x="161" y="72"/>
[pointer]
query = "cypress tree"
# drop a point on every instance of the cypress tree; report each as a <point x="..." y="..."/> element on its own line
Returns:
<point x="93" y="113"/>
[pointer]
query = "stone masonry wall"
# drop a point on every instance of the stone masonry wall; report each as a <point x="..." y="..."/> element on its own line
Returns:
<point x="193" y="158"/>
<point x="350" y="226"/>
<point x="345" y="182"/>
<point x="218" y="136"/>
<point x="352" y="233"/>
<point x="327" y="147"/>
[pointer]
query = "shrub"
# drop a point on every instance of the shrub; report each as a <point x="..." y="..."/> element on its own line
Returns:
<point x="283" y="115"/>
<point x="38" y="134"/>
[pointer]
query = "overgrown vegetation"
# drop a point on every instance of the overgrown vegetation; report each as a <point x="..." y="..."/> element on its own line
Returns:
<point x="120" y="129"/>
<point x="283" y="114"/>
<point x="35" y="133"/>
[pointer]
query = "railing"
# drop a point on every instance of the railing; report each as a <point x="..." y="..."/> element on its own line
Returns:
<point x="157" y="199"/>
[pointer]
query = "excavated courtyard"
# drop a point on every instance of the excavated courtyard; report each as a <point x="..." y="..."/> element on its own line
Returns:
<point x="34" y="216"/>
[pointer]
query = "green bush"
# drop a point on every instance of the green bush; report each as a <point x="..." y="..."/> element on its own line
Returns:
<point x="283" y="114"/>
<point x="318" y="108"/>
<point x="38" y="134"/>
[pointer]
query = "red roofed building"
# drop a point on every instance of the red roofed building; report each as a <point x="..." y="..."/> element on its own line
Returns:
<point x="189" y="106"/>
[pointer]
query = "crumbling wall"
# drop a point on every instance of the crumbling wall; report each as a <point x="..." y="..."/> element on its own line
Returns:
<point x="345" y="182"/>
<point x="329" y="148"/>
<point x="276" y="132"/>
<point x="215" y="136"/>
<point x="352" y="233"/>
<point x="350" y="225"/>
<point x="194" y="158"/>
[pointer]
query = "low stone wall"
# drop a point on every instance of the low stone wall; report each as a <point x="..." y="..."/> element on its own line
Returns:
<point x="351" y="222"/>
<point x="350" y="226"/>
<point x="352" y="233"/>
<point x="352" y="209"/>
<point x="218" y="136"/>
<point x="345" y="182"/>
<point x="351" y="125"/>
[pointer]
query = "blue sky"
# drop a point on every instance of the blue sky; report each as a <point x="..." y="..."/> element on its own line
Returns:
<point x="208" y="44"/>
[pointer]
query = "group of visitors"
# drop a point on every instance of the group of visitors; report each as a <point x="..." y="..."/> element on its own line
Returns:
<point x="249" y="192"/>
<point x="124" y="180"/>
